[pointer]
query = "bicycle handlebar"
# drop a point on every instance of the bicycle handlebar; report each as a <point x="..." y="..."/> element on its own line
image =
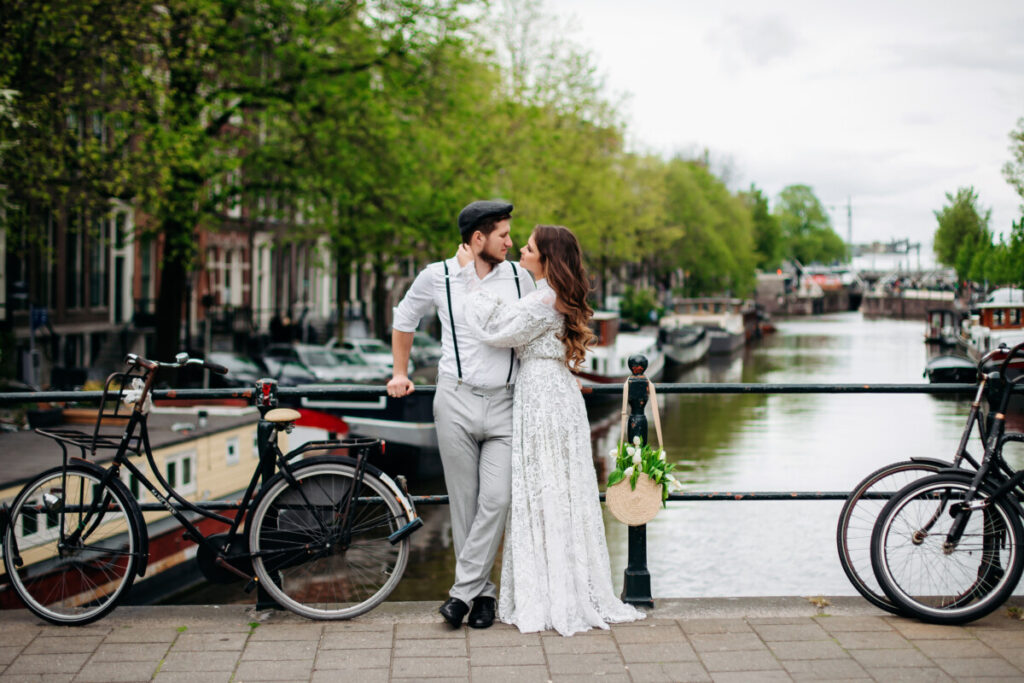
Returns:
<point x="180" y="361"/>
<point x="1016" y="350"/>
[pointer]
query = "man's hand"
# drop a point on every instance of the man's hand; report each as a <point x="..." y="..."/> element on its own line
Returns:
<point x="400" y="385"/>
<point x="464" y="255"/>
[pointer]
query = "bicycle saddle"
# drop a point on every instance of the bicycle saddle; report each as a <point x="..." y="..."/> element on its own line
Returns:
<point x="282" y="415"/>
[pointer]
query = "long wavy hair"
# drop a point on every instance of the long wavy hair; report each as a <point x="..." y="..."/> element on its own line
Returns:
<point x="560" y="254"/>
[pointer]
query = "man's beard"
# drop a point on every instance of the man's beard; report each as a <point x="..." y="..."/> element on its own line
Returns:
<point x="490" y="258"/>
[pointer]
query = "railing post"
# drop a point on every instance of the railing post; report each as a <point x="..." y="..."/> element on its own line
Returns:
<point x="636" y="582"/>
<point x="266" y="400"/>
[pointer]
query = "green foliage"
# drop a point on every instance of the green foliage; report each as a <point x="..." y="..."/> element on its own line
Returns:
<point x="633" y="458"/>
<point x="768" y="237"/>
<point x="1013" y="170"/>
<point x="962" y="225"/>
<point x="640" y="306"/>
<point x="806" y="228"/>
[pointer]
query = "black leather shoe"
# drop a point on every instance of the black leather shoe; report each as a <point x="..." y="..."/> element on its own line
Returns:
<point x="482" y="614"/>
<point x="453" y="610"/>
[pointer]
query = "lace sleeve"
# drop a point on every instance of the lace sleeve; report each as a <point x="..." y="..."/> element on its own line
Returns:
<point x="502" y="324"/>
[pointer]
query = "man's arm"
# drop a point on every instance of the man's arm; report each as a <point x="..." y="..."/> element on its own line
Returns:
<point x="401" y="345"/>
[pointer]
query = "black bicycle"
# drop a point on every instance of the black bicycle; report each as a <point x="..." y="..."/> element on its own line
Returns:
<point x="327" y="536"/>
<point x="946" y="548"/>
<point x="866" y="500"/>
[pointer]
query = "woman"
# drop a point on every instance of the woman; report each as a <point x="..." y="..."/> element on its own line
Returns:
<point x="555" y="571"/>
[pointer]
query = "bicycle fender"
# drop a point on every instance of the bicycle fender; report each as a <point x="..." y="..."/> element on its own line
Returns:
<point x="994" y="481"/>
<point x="943" y="465"/>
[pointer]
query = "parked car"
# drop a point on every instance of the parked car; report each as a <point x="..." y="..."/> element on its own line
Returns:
<point x="317" y="363"/>
<point x="426" y="351"/>
<point x="242" y="370"/>
<point x="360" y="367"/>
<point x="374" y="351"/>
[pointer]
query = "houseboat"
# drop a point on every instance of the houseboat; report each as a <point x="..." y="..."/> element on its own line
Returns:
<point x="999" y="320"/>
<point x="683" y="344"/>
<point x="606" y="360"/>
<point x="729" y="322"/>
<point x="942" y="326"/>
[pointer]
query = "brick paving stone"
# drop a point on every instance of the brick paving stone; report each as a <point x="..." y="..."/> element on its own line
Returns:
<point x="7" y="655"/>
<point x="365" y="676"/>
<point x="657" y="652"/>
<point x="668" y="672"/>
<point x="424" y="667"/>
<point x="595" y="664"/>
<point x="929" y="674"/>
<point x="825" y="669"/>
<point x="877" y="659"/>
<point x="999" y="639"/>
<point x="356" y="625"/>
<point x="18" y="638"/>
<point x="814" y="649"/>
<point x="47" y="664"/>
<point x="845" y="624"/>
<point x="506" y="635"/>
<point x="438" y="630"/>
<point x="120" y="672"/>
<point x="872" y="640"/>
<point x="692" y="626"/>
<point x="954" y="648"/>
<point x="805" y="631"/>
<point x="287" y="632"/>
<point x="352" y="640"/>
<point x="289" y="670"/>
<point x="505" y="655"/>
<point x="290" y="649"/>
<point x="509" y="674"/>
<point x="210" y="641"/>
<point x="915" y="629"/>
<point x="193" y="677"/>
<point x="45" y="644"/>
<point x="590" y="678"/>
<point x="37" y="678"/>
<point x="739" y="660"/>
<point x="749" y="676"/>
<point x="578" y="646"/>
<point x="191" y="660"/>
<point x="430" y="648"/>
<point x="353" y="659"/>
<point x="719" y="642"/>
<point x="129" y="652"/>
<point x="664" y="632"/>
<point x="142" y="635"/>
<point x="963" y="667"/>
<point x="776" y="621"/>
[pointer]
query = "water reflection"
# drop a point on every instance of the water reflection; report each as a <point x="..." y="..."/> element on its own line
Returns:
<point x="807" y="442"/>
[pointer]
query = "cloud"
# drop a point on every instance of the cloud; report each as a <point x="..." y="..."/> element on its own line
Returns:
<point x="758" y="41"/>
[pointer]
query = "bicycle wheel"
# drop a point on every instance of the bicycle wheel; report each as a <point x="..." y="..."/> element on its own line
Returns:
<point x="71" y="549"/>
<point x="857" y="519"/>
<point x="297" y="549"/>
<point x="926" y="579"/>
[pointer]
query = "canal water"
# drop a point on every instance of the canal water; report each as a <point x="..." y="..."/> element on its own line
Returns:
<point x="789" y="442"/>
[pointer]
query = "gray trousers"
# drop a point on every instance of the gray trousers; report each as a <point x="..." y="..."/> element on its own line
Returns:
<point x="474" y="435"/>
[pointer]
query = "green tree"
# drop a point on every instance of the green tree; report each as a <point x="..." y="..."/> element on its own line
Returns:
<point x="1013" y="170"/>
<point x="806" y="227"/>
<point x="768" y="236"/>
<point x="961" y="222"/>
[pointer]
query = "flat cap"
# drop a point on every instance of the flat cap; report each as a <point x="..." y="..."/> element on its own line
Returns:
<point x="476" y="212"/>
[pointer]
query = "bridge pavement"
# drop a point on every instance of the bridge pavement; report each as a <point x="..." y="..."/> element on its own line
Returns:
<point x="743" y="639"/>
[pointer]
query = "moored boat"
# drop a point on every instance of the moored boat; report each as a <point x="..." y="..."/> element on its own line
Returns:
<point x="683" y="344"/>
<point x="951" y="368"/>
<point x="1000" y="320"/>
<point x="942" y="326"/>
<point x="729" y="322"/>
<point x="606" y="361"/>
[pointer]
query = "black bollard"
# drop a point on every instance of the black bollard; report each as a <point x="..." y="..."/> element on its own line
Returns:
<point x="636" y="582"/>
<point x="266" y="400"/>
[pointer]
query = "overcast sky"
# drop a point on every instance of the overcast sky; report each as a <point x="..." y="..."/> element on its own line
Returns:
<point x="890" y="103"/>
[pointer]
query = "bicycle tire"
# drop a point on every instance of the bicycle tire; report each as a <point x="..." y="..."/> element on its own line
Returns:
<point x="294" y="540"/>
<point x="941" y="587"/>
<point x="78" y="584"/>
<point x="857" y="521"/>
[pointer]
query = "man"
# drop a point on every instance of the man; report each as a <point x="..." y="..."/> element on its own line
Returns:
<point x="473" y="403"/>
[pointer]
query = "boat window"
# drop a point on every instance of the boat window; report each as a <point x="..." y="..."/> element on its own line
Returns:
<point x="1014" y="317"/>
<point x="997" y="317"/>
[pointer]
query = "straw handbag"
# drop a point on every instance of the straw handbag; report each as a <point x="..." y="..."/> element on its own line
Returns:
<point x="635" y="506"/>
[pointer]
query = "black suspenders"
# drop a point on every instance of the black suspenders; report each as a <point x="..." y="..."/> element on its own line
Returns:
<point x="451" y="320"/>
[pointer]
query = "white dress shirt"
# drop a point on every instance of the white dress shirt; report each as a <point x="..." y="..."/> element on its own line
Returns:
<point x="482" y="365"/>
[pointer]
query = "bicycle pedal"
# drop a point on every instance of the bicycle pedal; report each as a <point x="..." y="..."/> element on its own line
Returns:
<point x="253" y="582"/>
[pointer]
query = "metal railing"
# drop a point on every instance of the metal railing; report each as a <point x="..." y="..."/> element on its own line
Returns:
<point x="636" y="588"/>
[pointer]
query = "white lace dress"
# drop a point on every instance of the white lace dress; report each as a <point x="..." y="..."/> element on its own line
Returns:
<point x="555" y="572"/>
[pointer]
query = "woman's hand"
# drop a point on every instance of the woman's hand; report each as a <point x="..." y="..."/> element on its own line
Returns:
<point x="464" y="255"/>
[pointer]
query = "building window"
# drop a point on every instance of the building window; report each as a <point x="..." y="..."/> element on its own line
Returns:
<point x="232" y="451"/>
<point x="180" y="472"/>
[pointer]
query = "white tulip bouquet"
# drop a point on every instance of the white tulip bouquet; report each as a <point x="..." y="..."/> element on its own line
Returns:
<point x="632" y="459"/>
